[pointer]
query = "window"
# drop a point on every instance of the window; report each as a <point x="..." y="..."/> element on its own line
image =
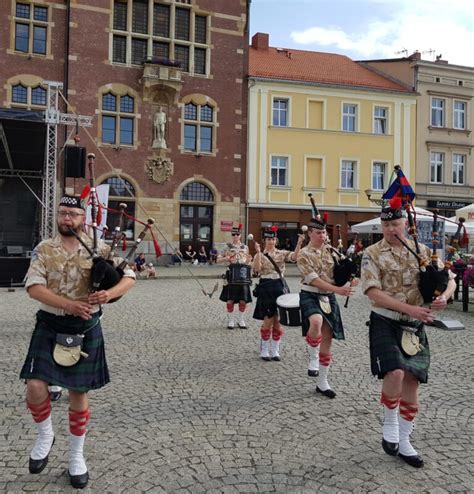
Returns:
<point x="436" y="168"/>
<point x="459" y="163"/>
<point x="174" y="32"/>
<point x="348" y="169"/>
<point x="349" y="116"/>
<point x="437" y="112"/>
<point x="279" y="171"/>
<point x="120" y="191"/>
<point x="380" y="120"/>
<point x="196" y="191"/>
<point x="118" y="119"/>
<point x="199" y="123"/>
<point x="31" y="28"/>
<point x="25" y="95"/>
<point x="378" y="176"/>
<point x="280" y="112"/>
<point x="459" y="115"/>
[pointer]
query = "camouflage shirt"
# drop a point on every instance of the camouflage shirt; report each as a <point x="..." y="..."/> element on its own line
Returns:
<point x="65" y="273"/>
<point x="316" y="263"/>
<point x="394" y="271"/>
<point x="266" y="266"/>
<point x="240" y="253"/>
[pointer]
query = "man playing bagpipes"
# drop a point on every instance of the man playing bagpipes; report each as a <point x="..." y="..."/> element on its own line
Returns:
<point x="67" y="346"/>
<point x="394" y="277"/>
<point x="236" y="287"/>
<point x="319" y="306"/>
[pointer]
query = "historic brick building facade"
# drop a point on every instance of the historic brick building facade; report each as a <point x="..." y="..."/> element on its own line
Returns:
<point x="165" y="83"/>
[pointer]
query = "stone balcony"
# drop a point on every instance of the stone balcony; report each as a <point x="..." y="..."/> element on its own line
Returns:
<point x="161" y="78"/>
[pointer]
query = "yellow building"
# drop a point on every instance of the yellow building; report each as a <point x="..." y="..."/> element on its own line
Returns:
<point x="323" y="124"/>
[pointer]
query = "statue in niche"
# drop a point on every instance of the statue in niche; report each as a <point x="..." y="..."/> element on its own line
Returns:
<point x="159" y="129"/>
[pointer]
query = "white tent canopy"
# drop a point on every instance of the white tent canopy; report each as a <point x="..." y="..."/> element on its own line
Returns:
<point x="466" y="212"/>
<point x="423" y="215"/>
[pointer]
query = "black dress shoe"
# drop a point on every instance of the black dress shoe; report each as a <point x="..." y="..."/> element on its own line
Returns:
<point x="267" y="359"/>
<point x="414" y="461"/>
<point x="276" y="358"/>
<point x="79" y="481"/>
<point x="313" y="373"/>
<point x="390" y="448"/>
<point x="37" y="466"/>
<point x="329" y="392"/>
<point x="55" y="395"/>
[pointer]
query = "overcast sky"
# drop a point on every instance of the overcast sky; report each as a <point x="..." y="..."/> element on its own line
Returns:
<point x="367" y="29"/>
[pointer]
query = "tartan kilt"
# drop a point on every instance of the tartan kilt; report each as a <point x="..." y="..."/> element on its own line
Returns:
<point x="89" y="373"/>
<point x="236" y="293"/>
<point x="268" y="291"/>
<point x="385" y="349"/>
<point x="309" y="303"/>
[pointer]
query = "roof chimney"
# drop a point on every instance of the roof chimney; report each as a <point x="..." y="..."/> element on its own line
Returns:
<point x="416" y="55"/>
<point x="260" y="41"/>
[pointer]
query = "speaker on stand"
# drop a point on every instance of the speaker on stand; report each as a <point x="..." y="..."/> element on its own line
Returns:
<point x="75" y="162"/>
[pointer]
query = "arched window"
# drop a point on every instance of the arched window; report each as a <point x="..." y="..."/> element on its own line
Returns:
<point x="20" y="94"/>
<point x="27" y="95"/>
<point x="120" y="190"/>
<point x="196" y="191"/>
<point x="118" y="120"/>
<point x="199" y="124"/>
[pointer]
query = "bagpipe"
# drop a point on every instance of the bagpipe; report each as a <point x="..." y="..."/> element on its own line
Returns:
<point x="433" y="280"/>
<point x="104" y="274"/>
<point x="344" y="268"/>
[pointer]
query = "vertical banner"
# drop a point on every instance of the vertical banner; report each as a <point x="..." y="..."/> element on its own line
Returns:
<point x="103" y="197"/>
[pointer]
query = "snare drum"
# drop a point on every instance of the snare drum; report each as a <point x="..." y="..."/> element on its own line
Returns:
<point x="289" y="309"/>
<point x="240" y="274"/>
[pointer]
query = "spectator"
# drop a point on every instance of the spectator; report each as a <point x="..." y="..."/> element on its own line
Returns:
<point x="140" y="262"/>
<point x="150" y="271"/>
<point x="213" y="255"/>
<point x="202" y="255"/>
<point x="189" y="254"/>
<point x="177" y="257"/>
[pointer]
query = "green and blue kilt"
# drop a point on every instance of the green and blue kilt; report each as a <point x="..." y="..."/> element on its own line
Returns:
<point x="309" y="303"/>
<point x="386" y="353"/>
<point x="89" y="373"/>
<point x="236" y="293"/>
<point x="268" y="290"/>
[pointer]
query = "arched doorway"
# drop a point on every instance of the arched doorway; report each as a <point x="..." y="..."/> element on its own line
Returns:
<point x="196" y="217"/>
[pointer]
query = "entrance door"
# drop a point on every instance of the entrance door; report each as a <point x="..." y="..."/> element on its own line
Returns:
<point x="196" y="227"/>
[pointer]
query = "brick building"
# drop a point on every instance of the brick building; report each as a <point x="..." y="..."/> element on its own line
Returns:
<point x="164" y="81"/>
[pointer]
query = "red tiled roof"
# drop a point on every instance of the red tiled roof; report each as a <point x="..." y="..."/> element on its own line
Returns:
<point x="311" y="66"/>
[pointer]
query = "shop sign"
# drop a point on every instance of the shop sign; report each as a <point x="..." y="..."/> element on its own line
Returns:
<point x="226" y="226"/>
<point x="447" y="204"/>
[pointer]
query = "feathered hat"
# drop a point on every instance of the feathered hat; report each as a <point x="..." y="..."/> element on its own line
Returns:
<point x="237" y="230"/>
<point x="270" y="232"/>
<point x="397" y="197"/>
<point x="71" y="202"/>
<point x="317" y="221"/>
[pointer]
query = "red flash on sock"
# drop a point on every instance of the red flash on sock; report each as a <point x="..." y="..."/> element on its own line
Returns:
<point x="230" y="307"/>
<point x="408" y="411"/>
<point x="242" y="306"/>
<point x="390" y="403"/>
<point x="78" y="421"/>
<point x="265" y="333"/>
<point x="313" y="342"/>
<point x="277" y="333"/>
<point x="325" y="358"/>
<point x="41" y="411"/>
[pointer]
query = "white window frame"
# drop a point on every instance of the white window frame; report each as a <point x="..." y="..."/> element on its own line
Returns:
<point x="384" y="177"/>
<point x="436" y="163"/>
<point x="288" y="106"/>
<point x="436" y="109"/>
<point x="457" y="113"/>
<point x="355" y="116"/>
<point x="287" y="168"/>
<point x="459" y="166"/>
<point x="354" y="173"/>
<point x="376" y="119"/>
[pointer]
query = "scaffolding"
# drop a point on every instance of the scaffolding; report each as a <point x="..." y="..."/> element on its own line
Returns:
<point x="53" y="117"/>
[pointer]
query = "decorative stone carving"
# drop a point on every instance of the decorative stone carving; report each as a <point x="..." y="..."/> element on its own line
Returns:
<point x="159" y="129"/>
<point x="159" y="169"/>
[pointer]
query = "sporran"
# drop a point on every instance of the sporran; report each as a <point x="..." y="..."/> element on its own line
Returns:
<point x="325" y="304"/>
<point x="410" y="342"/>
<point x="68" y="349"/>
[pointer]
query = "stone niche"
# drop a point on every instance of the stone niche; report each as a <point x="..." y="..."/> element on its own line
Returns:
<point x="162" y="77"/>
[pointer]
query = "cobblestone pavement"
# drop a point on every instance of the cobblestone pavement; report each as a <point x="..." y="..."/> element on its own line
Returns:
<point x="191" y="407"/>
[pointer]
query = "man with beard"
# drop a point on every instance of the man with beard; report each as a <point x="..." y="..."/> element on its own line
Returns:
<point x="60" y="278"/>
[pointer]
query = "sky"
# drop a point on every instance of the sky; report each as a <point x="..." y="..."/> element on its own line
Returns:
<point x="370" y="29"/>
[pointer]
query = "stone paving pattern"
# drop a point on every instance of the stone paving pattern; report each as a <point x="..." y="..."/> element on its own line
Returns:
<point x="191" y="408"/>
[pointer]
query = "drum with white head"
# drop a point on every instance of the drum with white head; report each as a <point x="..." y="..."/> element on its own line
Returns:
<point x="289" y="309"/>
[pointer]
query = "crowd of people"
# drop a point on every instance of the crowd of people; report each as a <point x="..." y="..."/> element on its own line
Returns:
<point x="67" y="346"/>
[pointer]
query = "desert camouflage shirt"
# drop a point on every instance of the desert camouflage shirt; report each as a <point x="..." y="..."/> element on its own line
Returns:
<point x="65" y="273"/>
<point x="316" y="263"/>
<point x="396" y="272"/>
<point x="266" y="266"/>
<point x="240" y="251"/>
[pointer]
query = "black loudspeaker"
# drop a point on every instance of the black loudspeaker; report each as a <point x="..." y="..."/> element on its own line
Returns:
<point x="75" y="162"/>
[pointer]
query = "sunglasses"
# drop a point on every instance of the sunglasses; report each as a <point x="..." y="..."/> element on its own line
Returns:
<point x="235" y="234"/>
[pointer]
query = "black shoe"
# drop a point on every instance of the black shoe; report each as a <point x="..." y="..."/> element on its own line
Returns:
<point x="414" y="461"/>
<point x="329" y="392"/>
<point x="276" y="358"/>
<point x="37" y="466"/>
<point x="313" y="373"/>
<point x="79" y="481"/>
<point x="55" y="395"/>
<point x="267" y="359"/>
<point x="390" y="448"/>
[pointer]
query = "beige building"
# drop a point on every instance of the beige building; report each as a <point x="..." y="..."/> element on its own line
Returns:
<point x="445" y="120"/>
